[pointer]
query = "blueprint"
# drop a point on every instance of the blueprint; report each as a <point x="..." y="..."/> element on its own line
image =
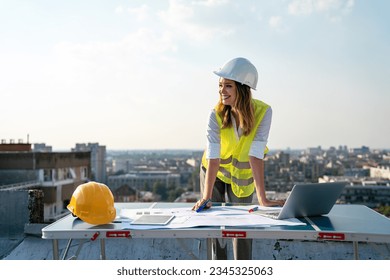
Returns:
<point x="230" y="216"/>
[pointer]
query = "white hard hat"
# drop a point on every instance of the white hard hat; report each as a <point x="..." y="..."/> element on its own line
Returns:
<point x="240" y="70"/>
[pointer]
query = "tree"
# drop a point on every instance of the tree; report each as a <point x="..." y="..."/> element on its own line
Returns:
<point x="384" y="210"/>
<point x="147" y="187"/>
<point x="160" y="189"/>
<point x="174" y="192"/>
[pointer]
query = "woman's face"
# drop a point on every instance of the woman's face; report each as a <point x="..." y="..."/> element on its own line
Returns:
<point x="227" y="91"/>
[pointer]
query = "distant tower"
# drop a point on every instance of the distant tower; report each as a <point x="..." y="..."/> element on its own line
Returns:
<point x="98" y="160"/>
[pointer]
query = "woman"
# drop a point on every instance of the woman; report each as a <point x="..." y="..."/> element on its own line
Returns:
<point x="232" y="165"/>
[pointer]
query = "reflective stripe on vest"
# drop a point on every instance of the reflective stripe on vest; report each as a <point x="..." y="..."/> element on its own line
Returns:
<point x="234" y="163"/>
<point x="239" y="182"/>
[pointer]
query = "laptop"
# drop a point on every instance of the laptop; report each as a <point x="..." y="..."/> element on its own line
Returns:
<point x="307" y="200"/>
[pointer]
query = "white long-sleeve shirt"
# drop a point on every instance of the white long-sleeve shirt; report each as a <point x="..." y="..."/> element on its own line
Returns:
<point x="258" y="144"/>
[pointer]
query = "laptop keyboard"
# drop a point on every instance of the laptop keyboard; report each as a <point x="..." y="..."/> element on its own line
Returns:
<point x="273" y="214"/>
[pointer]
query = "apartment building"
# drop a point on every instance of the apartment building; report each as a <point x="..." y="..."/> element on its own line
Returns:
<point x="140" y="179"/>
<point x="57" y="174"/>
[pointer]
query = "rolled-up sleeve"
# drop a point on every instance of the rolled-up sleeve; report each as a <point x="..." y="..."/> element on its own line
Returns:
<point x="213" y="137"/>
<point x="261" y="137"/>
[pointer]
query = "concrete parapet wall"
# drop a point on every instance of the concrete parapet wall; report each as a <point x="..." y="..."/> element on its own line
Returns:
<point x="14" y="213"/>
<point x="35" y="248"/>
<point x="17" y="208"/>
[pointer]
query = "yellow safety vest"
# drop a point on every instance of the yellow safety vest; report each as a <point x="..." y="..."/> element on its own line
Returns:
<point x="234" y="166"/>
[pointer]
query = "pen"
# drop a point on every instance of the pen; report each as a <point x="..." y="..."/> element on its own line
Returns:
<point x="253" y="209"/>
<point x="202" y="206"/>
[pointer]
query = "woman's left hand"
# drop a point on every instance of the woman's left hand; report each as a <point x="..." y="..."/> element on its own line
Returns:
<point x="270" y="203"/>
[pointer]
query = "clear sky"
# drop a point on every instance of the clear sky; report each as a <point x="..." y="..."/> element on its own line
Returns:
<point x="138" y="74"/>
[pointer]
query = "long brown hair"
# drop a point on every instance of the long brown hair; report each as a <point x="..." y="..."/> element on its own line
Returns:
<point x="244" y="108"/>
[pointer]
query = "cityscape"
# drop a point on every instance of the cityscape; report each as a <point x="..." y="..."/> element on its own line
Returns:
<point x="173" y="175"/>
<point x="36" y="183"/>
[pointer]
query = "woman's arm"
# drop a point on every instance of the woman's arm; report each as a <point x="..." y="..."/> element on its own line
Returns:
<point x="260" y="140"/>
<point x="257" y="166"/>
<point x="211" y="175"/>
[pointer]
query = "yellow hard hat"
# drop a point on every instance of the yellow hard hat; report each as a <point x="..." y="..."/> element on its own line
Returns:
<point x="93" y="203"/>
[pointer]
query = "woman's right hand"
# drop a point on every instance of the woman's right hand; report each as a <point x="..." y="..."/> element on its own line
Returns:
<point x="201" y="202"/>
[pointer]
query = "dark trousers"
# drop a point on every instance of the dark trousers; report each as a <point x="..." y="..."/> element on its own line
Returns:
<point x="222" y="192"/>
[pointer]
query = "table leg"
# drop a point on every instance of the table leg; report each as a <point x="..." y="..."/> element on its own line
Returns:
<point x="102" y="249"/>
<point x="356" y="250"/>
<point x="209" y="250"/>
<point x="55" y="250"/>
<point x="67" y="249"/>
